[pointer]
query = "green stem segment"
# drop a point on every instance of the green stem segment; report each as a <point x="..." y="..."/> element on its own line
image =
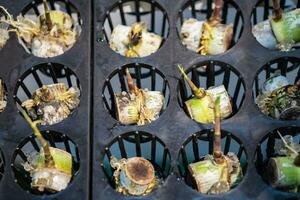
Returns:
<point x="216" y="16"/>
<point x="277" y="11"/>
<point x="47" y="15"/>
<point x="198" y="92"/>
<point x="49" y="161"/>
<point x="218" y="155"/>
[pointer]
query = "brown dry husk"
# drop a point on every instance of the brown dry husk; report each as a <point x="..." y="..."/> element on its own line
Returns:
<point x="52" y="103"/>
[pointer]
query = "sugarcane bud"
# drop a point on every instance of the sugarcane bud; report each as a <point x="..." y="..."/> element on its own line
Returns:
<point x="47" y="15"/>
<point x="277" y="11"/>
<point x="198" y="92"/>
<point x="216" y="17"/>
<point x="131" y="85"/>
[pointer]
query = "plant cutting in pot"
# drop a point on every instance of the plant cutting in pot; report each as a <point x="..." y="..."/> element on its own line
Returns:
<point x="138" y="106"/>
<point x="280" y="31"/>
<point x="283" y="170"/>
<point x="52" y="103"/>
<point x="279" y="99"/>
<point x="134" y="176"/>
<point x="51" y="168"/>
<point x="134" y="41"/>
<point x="52" y="34"/>
<point x="217" y="173"/>
<point x="201" y="106"/>
<point x="209" y="37"/>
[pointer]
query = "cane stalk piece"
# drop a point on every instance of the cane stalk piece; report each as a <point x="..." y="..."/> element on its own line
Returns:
<point x="51" y="34"/>
<point x="217" y="173"/>
<point x="283" y="170"/>
<point x="281" y="30"/>
<point x="134" y="41"/>
<point x="134" y="176"/>
<point x="138" y="106"/>
<point x="51" y="168"/>
<point x="209" y="37"/>
<point x="201" y="106"/>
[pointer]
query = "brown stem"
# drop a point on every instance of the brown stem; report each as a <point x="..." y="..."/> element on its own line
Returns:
<point x="218" y="155"/>
<point x="277" y="11"/>
<point x="131" y="85"/>
<point x="49" y="161"/>
<point x="47" y="15"/>
<point x="198" y="92"/>
<point x="216" y="16"/>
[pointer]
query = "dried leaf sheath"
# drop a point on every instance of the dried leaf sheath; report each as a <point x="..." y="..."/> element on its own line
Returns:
<point x="138" y="106"/>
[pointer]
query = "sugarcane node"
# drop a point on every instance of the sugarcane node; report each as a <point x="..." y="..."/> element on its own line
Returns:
<point x="277" y="11"/>
<point x="139" y="170"/>
<point x="297" y="160"/>
<point x="218" y="157"/>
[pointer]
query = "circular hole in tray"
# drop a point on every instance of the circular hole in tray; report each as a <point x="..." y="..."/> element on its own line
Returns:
<point x="203" y="9"/>
<point x="200" y="144"/>
<point x="213" y="73"/>
<point x="266" y="150"/>
<point x="285" y="66"/>
<point x="39" y="76"/>
<point x="34" y="9"/>
<point x="145" y="76"/>
<point x="128" y="12"/>
<point x="137" y="144"/>
<point x="262" y="11"/>
<point x="31" y="145"/>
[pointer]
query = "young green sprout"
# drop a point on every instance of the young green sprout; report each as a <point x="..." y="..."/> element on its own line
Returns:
<point x="51" y="168"/>
<point x="49" y="162"/>
<point x="137" y="106"/>
<point x="217" y="173"/>
<point x="201" y="106"/>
